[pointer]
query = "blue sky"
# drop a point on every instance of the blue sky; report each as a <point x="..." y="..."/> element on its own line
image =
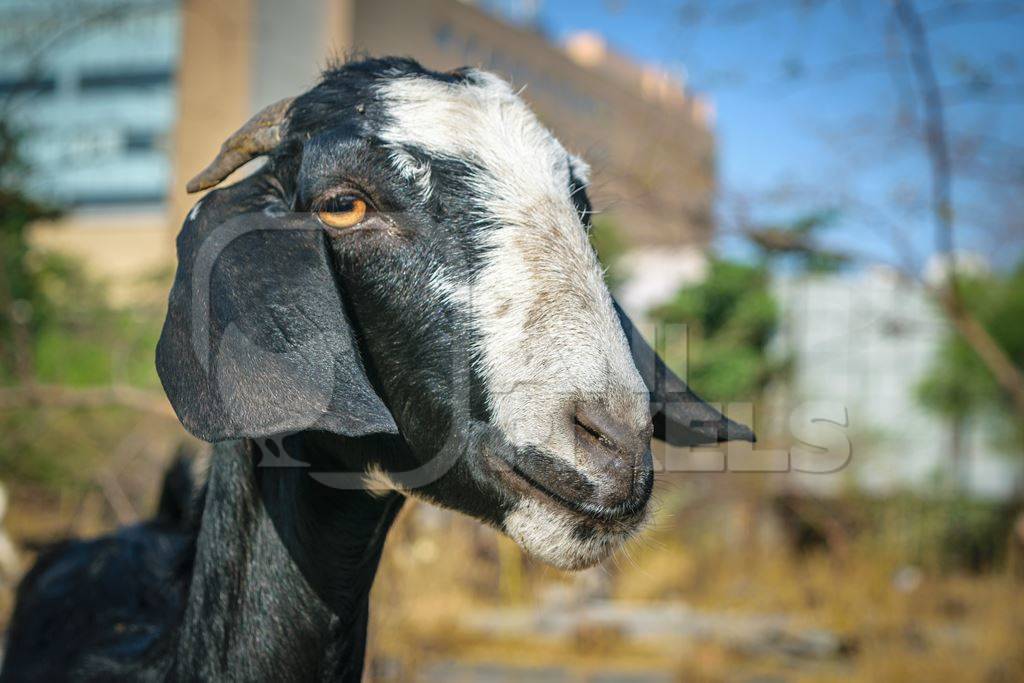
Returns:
<point x="808" y="98"/>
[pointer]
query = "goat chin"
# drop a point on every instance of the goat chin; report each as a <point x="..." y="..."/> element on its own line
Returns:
<point x="563" y="539"/>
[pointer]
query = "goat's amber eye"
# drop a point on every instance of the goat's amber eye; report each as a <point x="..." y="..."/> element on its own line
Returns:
<point x="342" y="212"/>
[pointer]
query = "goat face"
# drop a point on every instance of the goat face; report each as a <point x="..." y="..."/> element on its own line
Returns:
<point x="457" y="303"/>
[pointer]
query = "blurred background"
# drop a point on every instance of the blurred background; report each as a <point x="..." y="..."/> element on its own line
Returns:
<point x="819" y="204"/>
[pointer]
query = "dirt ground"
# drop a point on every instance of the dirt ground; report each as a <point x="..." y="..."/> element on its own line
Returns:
<point x="465" y="602"/>
<point x="714" y="595"/>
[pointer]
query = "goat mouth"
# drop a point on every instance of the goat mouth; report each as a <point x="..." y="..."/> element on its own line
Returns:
<point x="614" y="517"/>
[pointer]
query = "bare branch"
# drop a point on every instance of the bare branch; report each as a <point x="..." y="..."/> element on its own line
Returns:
<point x="935" y="126"/>
<point x="947" y="294"/>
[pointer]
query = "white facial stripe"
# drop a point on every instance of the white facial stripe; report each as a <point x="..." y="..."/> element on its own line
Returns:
<point x="549" y="335"/>
<point x="484" y="122"/>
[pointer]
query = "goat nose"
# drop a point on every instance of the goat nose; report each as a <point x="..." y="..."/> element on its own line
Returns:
<point x="615" y="453"/>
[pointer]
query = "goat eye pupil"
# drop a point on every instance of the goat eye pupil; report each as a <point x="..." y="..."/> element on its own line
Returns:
<point x="343" y="212"/>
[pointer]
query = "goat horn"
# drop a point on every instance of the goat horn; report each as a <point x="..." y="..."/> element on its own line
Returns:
<point x="259" y="135"/>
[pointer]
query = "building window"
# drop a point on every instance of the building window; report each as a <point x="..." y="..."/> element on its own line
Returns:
<point x="27" y="86"/>
<point x="119" y="199"/>
<point x="141" y="141"/>
<point x="126" y="80"/>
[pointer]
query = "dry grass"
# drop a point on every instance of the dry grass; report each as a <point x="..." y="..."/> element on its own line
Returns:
<point x="894" y="621"/>
<point x="897" y="612"/>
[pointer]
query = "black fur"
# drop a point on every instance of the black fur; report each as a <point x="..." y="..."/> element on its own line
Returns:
<point x="272" y="586"/>
<point x="177" y="504"/>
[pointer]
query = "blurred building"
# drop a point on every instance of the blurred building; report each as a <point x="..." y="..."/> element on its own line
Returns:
<point x="141" y="93"/>
<point x="647" y="138"/>
<point x="864" y="342"/>
<point x="91" y="86"/>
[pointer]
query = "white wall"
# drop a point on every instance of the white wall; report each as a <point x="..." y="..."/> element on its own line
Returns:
<point x="866" y="341"/>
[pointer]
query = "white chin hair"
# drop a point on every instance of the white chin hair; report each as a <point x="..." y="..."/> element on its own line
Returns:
<point x="549" y="534"/>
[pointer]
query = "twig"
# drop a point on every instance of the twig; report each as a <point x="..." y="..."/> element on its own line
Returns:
<point x="117" y="498"/>
<point x="54" y="396"/>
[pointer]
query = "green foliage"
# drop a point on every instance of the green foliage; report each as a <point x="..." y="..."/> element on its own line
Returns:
<point x="730" y="319"/>
<point x="814" y="221"/>
<point x="59" y="448"/>
<point x="958" y="384"/>
<point x="58" y="328"/>
<point x="56" y="325"/>
<point x="20" y="292"/>
<point x="794" y="242"/>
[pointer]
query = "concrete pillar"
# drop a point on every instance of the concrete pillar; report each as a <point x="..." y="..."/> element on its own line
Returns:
<point x="214" y="89"/>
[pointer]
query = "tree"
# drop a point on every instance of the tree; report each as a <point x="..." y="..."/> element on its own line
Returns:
<point x="959" y="384"/>
<point x="731" y="317"/>
<point x="22" y="301"/>
<point x="57" y="326"/>
<point x="934" y="77"/>
<point x="796" y="243"/>
<point x="73" y="368"/>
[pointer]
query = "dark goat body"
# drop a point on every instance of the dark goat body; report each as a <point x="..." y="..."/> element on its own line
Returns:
<point x="271" y="583"/>
<point x="457" y="338"/>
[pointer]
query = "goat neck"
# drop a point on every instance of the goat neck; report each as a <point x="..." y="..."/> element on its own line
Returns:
<point x="283" y="570"/>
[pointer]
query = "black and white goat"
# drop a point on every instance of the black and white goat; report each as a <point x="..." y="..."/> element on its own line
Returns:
<point x="405" y="291"/>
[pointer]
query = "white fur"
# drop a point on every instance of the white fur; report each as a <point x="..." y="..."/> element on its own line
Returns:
<point x="549" y="335"/>
<point x="580" y="168"/>
<point x="548" y="535"/>
<point x="450" y="288"/>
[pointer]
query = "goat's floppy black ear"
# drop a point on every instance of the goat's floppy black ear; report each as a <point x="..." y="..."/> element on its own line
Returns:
<point x="681" y="418"/>
<point x="256" y="340"/>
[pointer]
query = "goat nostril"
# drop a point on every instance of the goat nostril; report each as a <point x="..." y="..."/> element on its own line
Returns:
<point x="593" y="423"/>
<point x="615" y="454"/>
<point x="597" y="435"/>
